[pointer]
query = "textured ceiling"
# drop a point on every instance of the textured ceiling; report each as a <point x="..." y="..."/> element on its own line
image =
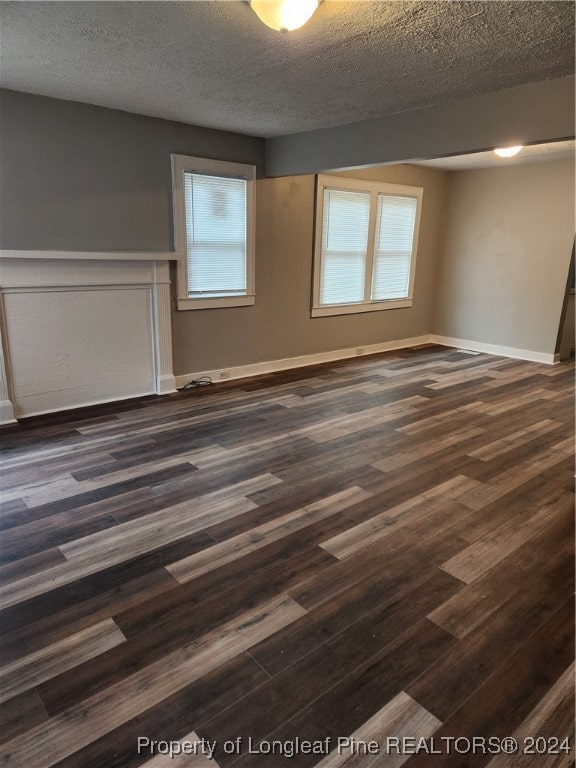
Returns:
<point x="215" y="64"/>
<point x="535" y="153"/>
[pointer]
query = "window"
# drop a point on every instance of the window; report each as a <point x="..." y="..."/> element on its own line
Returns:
<point x="214" y="232"/>
<point x="366" y="240"/>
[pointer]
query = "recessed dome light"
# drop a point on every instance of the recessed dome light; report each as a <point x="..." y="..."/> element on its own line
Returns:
<point x="507" y="151"/>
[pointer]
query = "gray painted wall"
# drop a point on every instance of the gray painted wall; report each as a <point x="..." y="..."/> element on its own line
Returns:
<point x="79" y="177"/>
<point x="508" y="243"/>
<point x="537" y="112"/>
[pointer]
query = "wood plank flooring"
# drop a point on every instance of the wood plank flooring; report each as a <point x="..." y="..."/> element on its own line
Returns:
<point x="365" y="563"/>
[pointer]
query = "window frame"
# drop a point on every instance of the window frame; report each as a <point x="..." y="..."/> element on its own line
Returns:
<point x="182" y="164"/>
<point x="374" y="188"/>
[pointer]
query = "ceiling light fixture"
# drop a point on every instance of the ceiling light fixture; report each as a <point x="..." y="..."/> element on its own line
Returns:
<point x="507" y="151"/>
<point x="284" y="15"/>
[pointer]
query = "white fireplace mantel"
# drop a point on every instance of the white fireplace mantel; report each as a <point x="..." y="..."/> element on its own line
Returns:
<point x="81" y="328"/>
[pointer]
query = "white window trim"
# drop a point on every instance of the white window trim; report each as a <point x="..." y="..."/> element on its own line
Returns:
<point x="186" y="163"/>
<point x="374" y="189"/>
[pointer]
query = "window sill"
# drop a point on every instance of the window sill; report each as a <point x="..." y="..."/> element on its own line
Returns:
<point x="223" y="302"/>
<point x="351" y="309"/>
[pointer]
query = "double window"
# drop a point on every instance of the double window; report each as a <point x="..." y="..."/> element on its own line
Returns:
<point x="214" y="232"/>
<point x="365" y="249"/>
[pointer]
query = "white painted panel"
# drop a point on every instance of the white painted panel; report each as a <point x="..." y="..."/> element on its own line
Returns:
<point x="6" y="406"/>
<point x="69" y="348"/>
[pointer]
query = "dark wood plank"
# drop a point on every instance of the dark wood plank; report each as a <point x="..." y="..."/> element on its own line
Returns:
<point x="28" y="626"/>
<point x="289" y="692"/>
<point x="21" y="713"/>
<point x="89" y="497"/>
<point x="33" y="538"/>
<point x="445" y="688"/>
<point x="151" y="640"/>
<point x="355" y="698"/>
<point x="508" y="695"/>
<point x="25" y="566"/>
<point x="173" y="718"/>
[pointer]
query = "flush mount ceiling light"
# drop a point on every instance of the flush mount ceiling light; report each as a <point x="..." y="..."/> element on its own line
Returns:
<point x="284" y="15"/>
<point x="507" y="151"/>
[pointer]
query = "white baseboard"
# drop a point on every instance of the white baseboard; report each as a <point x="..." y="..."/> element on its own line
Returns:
<point x="7" y="412"/>
<point x="494" y="349"/>
<point x="284" y="364"/>
<point x="166" y="384"/>
<point x="79" y="406"/>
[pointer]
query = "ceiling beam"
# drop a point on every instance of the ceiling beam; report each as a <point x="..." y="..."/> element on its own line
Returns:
<point x="542" y="111"/>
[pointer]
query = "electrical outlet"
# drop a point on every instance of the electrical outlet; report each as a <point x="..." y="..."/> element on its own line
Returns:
<point x="359" y="350"/>
<point x="224" y="374"/>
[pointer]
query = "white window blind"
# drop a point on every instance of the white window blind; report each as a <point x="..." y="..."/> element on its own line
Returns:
<point x="215" y="209"/>
<point x="395" y="219"/>
<point x="365" y="248"/>
<point x="344" y="246"/>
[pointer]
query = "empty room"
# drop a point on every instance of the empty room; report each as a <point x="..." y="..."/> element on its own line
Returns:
<point x="287" y="384"/>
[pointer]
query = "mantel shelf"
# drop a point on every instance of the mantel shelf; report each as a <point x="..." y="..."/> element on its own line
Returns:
<point x="91" y="255"/>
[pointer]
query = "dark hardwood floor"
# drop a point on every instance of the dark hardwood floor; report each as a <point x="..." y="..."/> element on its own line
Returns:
<point x="378" y="550"/>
